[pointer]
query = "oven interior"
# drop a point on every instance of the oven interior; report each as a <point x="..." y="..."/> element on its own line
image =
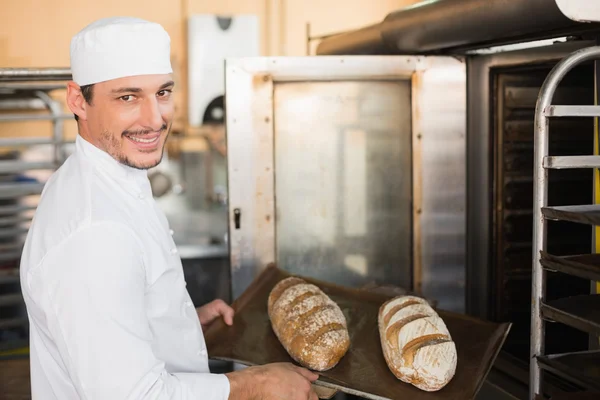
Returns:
<point x="515" y="91"/>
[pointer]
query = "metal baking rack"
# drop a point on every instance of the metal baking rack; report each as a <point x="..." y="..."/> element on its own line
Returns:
<point x="580" y="312"/>
<point x="25" y="95"/>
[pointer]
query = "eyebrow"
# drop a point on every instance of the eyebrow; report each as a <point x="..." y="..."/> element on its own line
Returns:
<point x="138" y="90"/>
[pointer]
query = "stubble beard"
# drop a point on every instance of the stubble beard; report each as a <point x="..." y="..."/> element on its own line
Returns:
<point x="114" y="147"/>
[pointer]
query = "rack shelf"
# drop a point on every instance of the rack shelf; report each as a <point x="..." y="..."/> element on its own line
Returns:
<point x="580" y="312"/>
<point x="10" y="299"/>
<point x="586" y="266"/>
<point x="9" y="276"/>
<point x="582" y="368"/>
<point x="571" y="162"/>
<point x="572" y="111"/>
<point x="15" y="190"/>
<point x="19" y="166"/>
<point x="13" y="323"/>
<point x="584" y="214"/>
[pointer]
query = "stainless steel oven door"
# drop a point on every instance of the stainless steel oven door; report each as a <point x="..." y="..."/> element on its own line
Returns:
<point x="350" y="170"/>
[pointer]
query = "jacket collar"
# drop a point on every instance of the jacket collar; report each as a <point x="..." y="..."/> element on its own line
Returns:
<point x="104" y="161"/>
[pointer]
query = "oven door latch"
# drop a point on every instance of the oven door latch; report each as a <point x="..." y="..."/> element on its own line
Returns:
<point x="237" y="216"/>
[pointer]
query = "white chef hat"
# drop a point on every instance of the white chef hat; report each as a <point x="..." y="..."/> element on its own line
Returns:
<point x="117" y="47"/>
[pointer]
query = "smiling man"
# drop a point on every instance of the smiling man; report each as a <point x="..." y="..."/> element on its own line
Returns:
<point x="110" y="316"/>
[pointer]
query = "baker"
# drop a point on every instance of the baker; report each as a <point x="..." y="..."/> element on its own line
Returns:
<point x="110" y="315"/>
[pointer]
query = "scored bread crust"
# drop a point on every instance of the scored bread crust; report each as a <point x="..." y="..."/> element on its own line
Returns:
<point x="309" y="325"/>
<point x="416" y="343"/>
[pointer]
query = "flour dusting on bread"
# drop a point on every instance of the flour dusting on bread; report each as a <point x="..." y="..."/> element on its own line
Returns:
<point x="310" y="326"/>
<point x="416" y="343"/>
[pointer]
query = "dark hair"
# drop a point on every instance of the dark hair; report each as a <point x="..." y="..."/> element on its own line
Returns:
<point x="87" y="92"/>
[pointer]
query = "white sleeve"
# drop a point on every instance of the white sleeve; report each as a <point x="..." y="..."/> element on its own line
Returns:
<point x="94" y="303"/>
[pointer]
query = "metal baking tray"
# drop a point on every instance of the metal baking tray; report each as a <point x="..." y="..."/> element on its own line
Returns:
<point x="362" y="371"/>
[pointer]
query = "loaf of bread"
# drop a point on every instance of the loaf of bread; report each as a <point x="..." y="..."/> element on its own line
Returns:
<point x="416" y="343"/>
<point x="310" y="326"/>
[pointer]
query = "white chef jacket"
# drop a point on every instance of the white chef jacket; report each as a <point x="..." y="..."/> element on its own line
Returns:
<point x="110" y="315"/>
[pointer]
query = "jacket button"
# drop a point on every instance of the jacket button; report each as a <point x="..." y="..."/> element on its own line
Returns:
<point x="174" y="250"/>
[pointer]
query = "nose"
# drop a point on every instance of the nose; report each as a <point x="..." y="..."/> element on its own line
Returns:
<point x="151" y="117"/>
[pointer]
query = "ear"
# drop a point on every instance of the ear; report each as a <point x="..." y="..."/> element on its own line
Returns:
<point x="75" y="100"/>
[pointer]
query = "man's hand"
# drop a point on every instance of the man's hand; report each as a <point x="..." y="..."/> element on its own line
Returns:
<point x="213" y="310"/>
<point x="272" y="382"/>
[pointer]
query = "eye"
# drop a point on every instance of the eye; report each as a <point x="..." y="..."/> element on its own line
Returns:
<point x="163" y="93"/>
<point x="126" y="98"/>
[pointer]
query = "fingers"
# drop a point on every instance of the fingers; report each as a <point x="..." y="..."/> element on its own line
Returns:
<point x="311" y="376"/>
<point x="228" y="314"/>
<point x="313" y="395"/>
<point x="223" y="309"/>
<point x="216" y="308"/>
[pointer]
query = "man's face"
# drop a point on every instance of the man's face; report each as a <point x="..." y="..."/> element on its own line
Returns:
<point x="130" y="118"/>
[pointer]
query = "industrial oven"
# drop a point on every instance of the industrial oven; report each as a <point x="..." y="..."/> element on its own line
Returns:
<point x="339" y="169"/>
<point x="403" y="153"/>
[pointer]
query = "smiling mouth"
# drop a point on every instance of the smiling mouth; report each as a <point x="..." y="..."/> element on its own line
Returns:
<point x="143" y="140"/>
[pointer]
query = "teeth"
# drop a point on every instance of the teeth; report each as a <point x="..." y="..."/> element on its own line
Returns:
<point x="140" y="140"/>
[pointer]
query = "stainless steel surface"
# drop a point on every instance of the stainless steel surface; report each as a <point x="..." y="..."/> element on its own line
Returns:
<point x="368" y="40"/>
<point x="34" y="117"/>
<point x="25" y="141"/>
<point x="343" y="180"/>
<point x="13" y="233"/>
<point x="35" y="74"/>
<point x="15" y="209"/>
<point x="541" y="140"/>
<point x="572" y="111"/>
<point x="19" y="166"/>
<point x="57" y="126"/>
<point x="440" y="203"/>
<point x="7" y="87"/>
<point x="194" y="167"/>
<point x="449" y="25"/>
<point x="187" y="251"/>
<point x="21" y="104"/>
<point x="480" y="137"/>
<point x="566" y="162"/>
<point x="14" y="190"/>
<point x="257" y="214"/>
